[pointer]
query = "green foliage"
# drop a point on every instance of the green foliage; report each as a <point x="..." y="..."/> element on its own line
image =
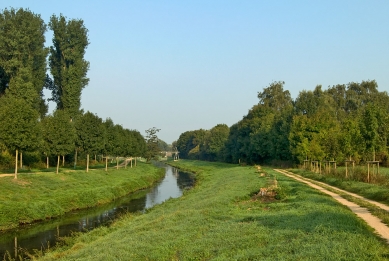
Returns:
<point x="23" y="56"/>
<point x="215" y="142"/>
<point x="67" y="64"/>
<point x="59" y="134"/>
<point x="152" y="147"/>
<point x="19" y="128"/>
<point x="163" y="146"/>
<point x="90" y="133"/>
<point x="342" y="122"/>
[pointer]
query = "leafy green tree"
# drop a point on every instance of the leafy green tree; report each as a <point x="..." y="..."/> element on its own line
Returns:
<point x="23" y="56"/>
<point x="369" y="126"/>
<point x="163" y="146"/>
<point x="67" y="64"/>
<point x="215" y="142"/>
<point x="19" y="126"/>
<point x="59" y="134"/>
<point x="152" y="148"/>
<point x="90" y="135"/>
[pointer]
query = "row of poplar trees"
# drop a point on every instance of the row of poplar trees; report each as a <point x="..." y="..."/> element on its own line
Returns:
<point x="345" y="122"/>
<point x="24" y="64"/>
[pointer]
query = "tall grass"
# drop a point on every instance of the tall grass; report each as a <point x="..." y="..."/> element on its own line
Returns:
<point x="377" y="189"/>
<point x="219" y="220"/>
<point x="34" y="197"/>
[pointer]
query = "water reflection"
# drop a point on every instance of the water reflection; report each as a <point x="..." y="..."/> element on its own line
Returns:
<point x="44" y="235"/>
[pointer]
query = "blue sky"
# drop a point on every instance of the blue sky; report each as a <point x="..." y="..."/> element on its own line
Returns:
<point x="186" y="65"/>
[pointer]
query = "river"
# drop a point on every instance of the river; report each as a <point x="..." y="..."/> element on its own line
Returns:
<point x="44" y="235"/>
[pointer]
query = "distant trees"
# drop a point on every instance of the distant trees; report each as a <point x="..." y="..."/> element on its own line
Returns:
<point x="204" y="144"/>
<point x="345" y="121"/>
<point x="152" y="147"/>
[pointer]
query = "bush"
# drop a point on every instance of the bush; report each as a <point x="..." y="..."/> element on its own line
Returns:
<point x="7" y="160"/>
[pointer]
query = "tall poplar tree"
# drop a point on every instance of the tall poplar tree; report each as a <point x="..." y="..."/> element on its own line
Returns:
<point x="23" y="56"/>
<point x="67" y="64"/>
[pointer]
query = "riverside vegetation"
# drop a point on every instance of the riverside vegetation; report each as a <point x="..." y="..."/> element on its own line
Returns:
<point x="39" y="196"/>
<point x="221" y="218"/>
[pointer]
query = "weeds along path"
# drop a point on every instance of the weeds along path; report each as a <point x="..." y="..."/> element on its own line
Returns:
<point x="374" y="222"/>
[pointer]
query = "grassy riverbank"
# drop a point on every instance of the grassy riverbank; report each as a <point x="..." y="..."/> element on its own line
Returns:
<point x="40" y="196"/>
<point x="220" y="220"/>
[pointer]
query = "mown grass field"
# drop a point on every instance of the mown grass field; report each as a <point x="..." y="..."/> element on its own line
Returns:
<point x="40" y="196"/>
<point x="220" y="220"/>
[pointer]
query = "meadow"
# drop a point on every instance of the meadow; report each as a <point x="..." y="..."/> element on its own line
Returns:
<point x="43" y="195"/>
<point x="224" y="218"/>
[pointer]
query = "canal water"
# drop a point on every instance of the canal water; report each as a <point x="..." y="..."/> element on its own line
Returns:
<point x="44" y="235"/>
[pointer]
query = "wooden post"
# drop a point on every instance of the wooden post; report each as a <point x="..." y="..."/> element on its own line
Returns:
<point x="57" y="163"/>
<point x="63" y="161"/>
<point x="368" y="172"/>
<point x="346" y="169"/>
<point x="106" y="163"/>
<point x="131" y="161"/>
<point x="75" y="160"/>
<point x="16" y="165"/>
<point x="135" y="161"/>
<point x="320" y="168"/>
<point x="21" y="160"/>
<point x="87" y="162"/>
<point x="16" y="247"/>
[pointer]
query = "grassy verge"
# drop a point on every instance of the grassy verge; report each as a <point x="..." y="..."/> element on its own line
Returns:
<point x="377" y="192"/>
<point x="219" y="219"/>
<point x="34" y="197"/>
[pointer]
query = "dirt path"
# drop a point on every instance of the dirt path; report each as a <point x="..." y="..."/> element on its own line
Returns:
<point x="6" y="175"/>
<point x="380" y="228"/>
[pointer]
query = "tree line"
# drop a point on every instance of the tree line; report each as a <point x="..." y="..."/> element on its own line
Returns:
<point x="27" y="67"/>
<point x="345" y="122"/>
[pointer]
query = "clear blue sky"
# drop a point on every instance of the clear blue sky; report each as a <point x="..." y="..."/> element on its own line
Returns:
<point x="186" y="65"/>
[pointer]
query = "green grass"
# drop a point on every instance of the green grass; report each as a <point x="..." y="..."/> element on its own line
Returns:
<point x="34" y="197"/>
<point x="377" y="192"/>
<point x="219" y="220"/>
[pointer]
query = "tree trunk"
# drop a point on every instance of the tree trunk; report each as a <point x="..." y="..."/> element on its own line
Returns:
<point x="16" y="165"/>
<point x="75" y="160"/>
<point x="21" y="160"/>
<point x="47" y="162"/>
<point x="57" y="163"/>
<point x="87" y="162"/>
<point x="63" y="161"/>
<point x="106" y="163"/>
